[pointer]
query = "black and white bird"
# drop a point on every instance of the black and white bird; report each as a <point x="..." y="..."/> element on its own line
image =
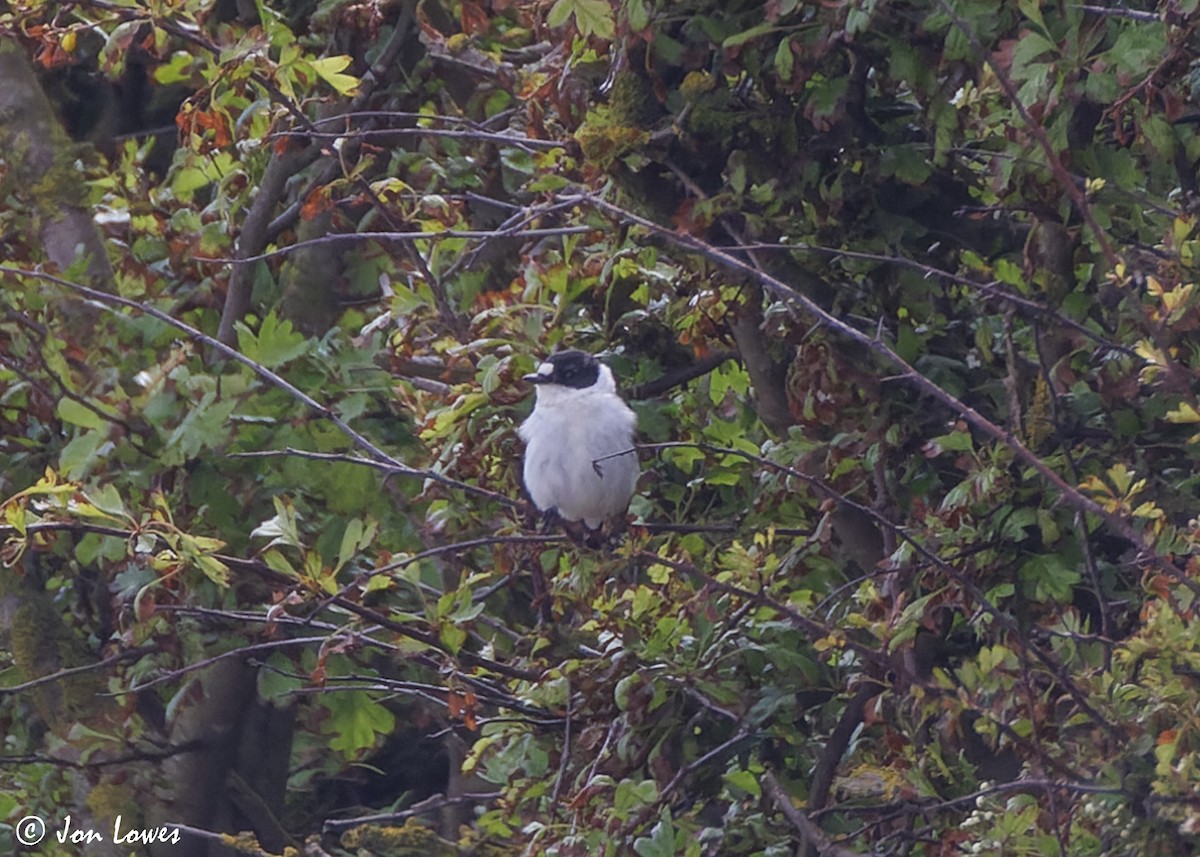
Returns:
<point x="578" y="421"/>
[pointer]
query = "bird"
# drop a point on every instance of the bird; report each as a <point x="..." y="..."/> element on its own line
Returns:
<point x="579" y="458"/>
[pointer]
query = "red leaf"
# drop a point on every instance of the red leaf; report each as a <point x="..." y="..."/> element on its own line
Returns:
<point x="474" y="19"/>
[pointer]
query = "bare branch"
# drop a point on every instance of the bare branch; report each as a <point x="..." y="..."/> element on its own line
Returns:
<point x="1077" y="195"/>
<point x="1016" y="786"/>
<point x="240" y="652"/>
<point x="379" y="458"/>
<point x="1118" y="12"/>
<point x="1029" y="307"/>
<point x="910" y="376"/>
<point x="256" y="229"/>
<point x="478" y="136"/>
<point x="679" y="377"/>
<point x="131" y="654"/>
<point x="399" y="238"/>
<point x="839" y="740"/>
<point x="387" y="467"/>
<point x="428" y="805"/>
<point x="808" y="829"/>
<point x="816" y="630"/>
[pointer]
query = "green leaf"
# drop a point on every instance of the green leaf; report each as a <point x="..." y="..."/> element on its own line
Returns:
<point x="559" y="13"/>
<point x="1032" y="10"/>
<point x="785" y="59"/>
<point x="72" y="411"/>
<point x="276" y="561"/>
<point x="637" y="14"/>
<point x="955" y="441"/>
<point x="188" y="180"/>
<point x="1048" y="578"/>
<point x="595" y="18"/>
<point x="355" y="722"/>
<point x="206" y="426"/>
<point x="908" y="344"/>
<point x="730" y="377"/>
<point x="1185" y="413"/>
<point x="283" y="529"/>
<point x="277" y="683"/>
<point x="722" y="477"/>
<point x="452" y="637"/>
<point x="661" y="841"/>
<point x="592" y="17"/>
<point x="78" y="456"/>
<point x="330" y="69"/>
<point x="910" y="620"/>
<point x="176" y="70"/>
<point x="92" y="547"/>
<point x="743" y="781"/>
<point x="276" y="342"/>
<point x="1137" y="48"/>
<point x="906" y="163"/>
<point x="634" y="794"/>
<point x="351" y="538"/>
<point x="624" y="689"/>
<point x="214" y="569"/>
<point x="548" y="183"/>
<point x="746" y="35"/>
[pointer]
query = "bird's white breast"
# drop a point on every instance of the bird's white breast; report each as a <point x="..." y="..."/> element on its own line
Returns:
<point x="564" y="436"/>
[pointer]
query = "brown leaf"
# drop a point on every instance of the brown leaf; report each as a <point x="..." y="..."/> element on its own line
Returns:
<point x="474" y="19"/>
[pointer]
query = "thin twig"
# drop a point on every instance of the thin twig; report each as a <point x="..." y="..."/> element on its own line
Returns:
<point x="566" y="750"/>
<point x="131" y="654"/>
<point x="240" y="652"/>
<point x="972" y="799"/>
<point x="90" y="761"/>
<point x="428" y="805"/>
<point x="1118" y="12"/>
<point x="810" y="832"/>
<point x="664" y="794"/>
<point x="398" y="238"/>
<point x="811" y="627"/>
<point x="389" y="467"/>
<point x="110" y="301"/>
<point x="909" y="375"/>
<point x="1031" y="308"/>
<point x="478" y="136"/>
<point x="679" y="377"/>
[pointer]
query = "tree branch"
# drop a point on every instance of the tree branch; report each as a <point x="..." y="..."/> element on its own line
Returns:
<point x="810" y="832"/>
<point x="911" y="377"/>
<point x="679" y="377"/>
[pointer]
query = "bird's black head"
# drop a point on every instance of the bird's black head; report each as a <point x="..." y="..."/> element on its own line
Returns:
<point x="576" y="369"/>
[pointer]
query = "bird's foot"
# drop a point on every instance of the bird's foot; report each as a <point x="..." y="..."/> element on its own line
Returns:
<point x="604" y="537"/>
<point x="549" y="520"/>
<point x="576" y="531"/>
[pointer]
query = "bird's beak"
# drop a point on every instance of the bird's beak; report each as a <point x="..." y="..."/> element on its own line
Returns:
<point x="541" y="376"/>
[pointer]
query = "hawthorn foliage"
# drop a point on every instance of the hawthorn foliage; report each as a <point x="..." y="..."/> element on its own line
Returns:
<point x="902" y="293"/>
